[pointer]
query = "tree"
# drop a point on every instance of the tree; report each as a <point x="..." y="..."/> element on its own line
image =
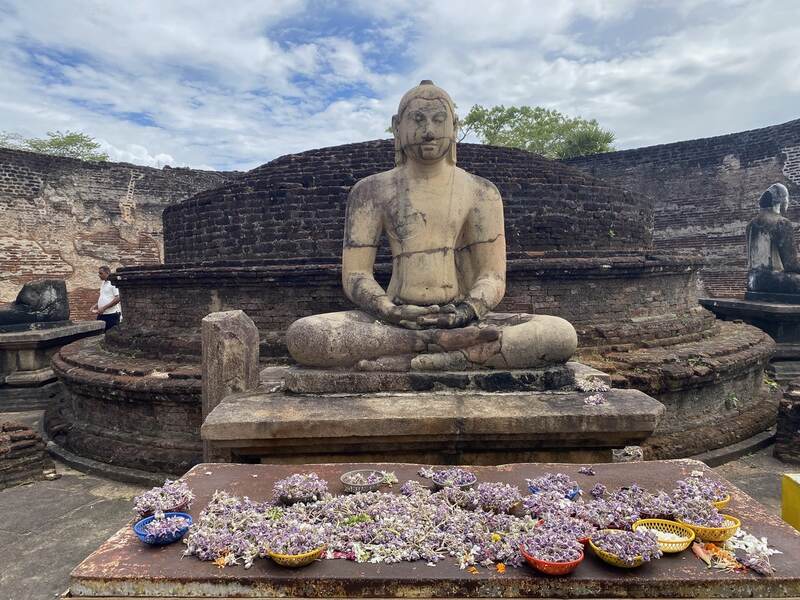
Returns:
<point x="536" y="129"/>
<point x="70" y="144"/>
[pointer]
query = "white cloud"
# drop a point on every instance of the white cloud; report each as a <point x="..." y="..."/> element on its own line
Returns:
<point x="195" y="83"/>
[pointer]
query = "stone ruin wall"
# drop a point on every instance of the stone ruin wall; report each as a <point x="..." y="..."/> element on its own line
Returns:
<point x="63" y="218"/>
<point x="707" y="190"/>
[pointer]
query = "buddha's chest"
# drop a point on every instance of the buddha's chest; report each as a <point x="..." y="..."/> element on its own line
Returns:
<point x="426" y="218"/>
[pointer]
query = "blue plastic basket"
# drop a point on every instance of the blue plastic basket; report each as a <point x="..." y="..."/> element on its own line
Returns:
<point x="161" y="540"/>
<point x="571" y="495"/>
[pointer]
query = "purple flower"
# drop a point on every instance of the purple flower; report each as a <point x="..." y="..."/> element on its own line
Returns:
<point x="552" y="546"/>
<point x="300" y="487"/>
<point x="164" y="527"/>
<point x="697" y="511"/>
<point x="553" y="482"/>
<point x="576" y="528"/>
<point x="628" y="546"/>
<point x="454" y="476"/>
<point x="171" y="495"/>
<point x="587" y="471"/>
<point x="597" y="491"/>
<point x="497" y="497"/>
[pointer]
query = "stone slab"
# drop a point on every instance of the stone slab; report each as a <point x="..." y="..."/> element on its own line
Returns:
<point x="62" y="334"/>
<point x="773" y="297"/>
<point x="279" y="425"/>
<point x="755" y="308"/>
<point x="122" y="567"/>
<point x="305" y="380"/>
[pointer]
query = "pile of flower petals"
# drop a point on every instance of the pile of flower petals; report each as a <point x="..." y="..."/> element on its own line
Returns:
<point x="365" y="527"/>
<point x="171" y="495"/>
<point x="628" y="546"/>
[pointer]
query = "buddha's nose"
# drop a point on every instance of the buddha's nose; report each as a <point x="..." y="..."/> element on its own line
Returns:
<point x="428" y="136"/>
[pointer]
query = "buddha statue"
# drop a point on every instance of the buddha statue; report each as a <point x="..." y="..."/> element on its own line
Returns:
<point x="445" y="230"/>
<point x="772" y="255"/>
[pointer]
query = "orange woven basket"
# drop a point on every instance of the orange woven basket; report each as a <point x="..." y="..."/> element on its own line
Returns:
<point x="551" y="568"/>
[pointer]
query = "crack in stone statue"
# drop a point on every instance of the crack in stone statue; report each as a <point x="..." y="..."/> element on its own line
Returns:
<point x="773" y="264"/>
<point x="446" y="234"/>
<point x="42" y="301"/>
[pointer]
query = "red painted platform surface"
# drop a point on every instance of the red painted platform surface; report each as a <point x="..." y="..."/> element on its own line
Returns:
<point x="123" y="567"/>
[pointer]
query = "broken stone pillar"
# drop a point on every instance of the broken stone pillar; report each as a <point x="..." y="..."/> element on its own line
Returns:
<point x="23" y="458"/>
<point x="230" y="360"/>
<point x="787" y="434"/>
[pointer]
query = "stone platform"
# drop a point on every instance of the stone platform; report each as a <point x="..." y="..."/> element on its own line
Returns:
<point x="26" y="380"/>
<point x="124" y="568"/>
<point x="449" y="426"/>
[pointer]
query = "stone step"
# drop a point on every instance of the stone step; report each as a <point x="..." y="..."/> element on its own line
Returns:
<point x="273" y="425"/>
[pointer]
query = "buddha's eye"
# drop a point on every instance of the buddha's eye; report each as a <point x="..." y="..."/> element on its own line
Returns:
<point x="439" y="118"/>
<point x="419" y="117"/>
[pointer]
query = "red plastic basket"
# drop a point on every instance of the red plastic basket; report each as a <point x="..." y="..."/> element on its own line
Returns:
<point x="551" y="568"/>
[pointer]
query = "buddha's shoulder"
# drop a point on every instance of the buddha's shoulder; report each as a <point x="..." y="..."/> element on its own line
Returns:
<point x="484" y="188"/>
<point x="373" y="184"/>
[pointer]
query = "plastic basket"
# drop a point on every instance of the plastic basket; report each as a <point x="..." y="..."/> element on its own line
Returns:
<point x="296" y="560"/>
<point x="138" y="529"/>
<point x="613" y="559"/>
<point x="716" y="534"/>
<point x="722" y="503"/>
<point x="354" y="488"/>
<point x="551" y="568"/>
<point x="665" y="526"/>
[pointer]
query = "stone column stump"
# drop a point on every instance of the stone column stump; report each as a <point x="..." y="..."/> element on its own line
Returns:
<point x="230" y="361"/>
<point x="787" y="436"/>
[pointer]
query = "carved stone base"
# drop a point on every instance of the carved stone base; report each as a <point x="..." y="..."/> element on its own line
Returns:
<point x="450" y="426"/>
<point x="320" y="381"/>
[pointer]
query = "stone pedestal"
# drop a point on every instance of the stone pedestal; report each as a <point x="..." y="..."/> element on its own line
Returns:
<point x="26" y="380"/>
<point x="479" y="417"/>
<point x="780" y="321"/>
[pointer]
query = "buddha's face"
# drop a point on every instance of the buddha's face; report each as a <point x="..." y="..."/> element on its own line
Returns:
<point x="426" y="130"/>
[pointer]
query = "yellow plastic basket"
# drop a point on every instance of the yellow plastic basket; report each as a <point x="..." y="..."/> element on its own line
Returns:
<point x="296" y="560"/>
<point x="665" y="526"/>
<point x="716" y="534"/>
<point x="722" y="503"/>
<point x="613" y="559"/>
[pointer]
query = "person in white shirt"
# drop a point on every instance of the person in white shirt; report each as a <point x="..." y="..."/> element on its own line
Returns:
<point x="107" y="308"/>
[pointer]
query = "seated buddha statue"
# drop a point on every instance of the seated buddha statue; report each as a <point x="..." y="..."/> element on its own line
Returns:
<point x="445" y="230"/>
<point x="772" y="255"/>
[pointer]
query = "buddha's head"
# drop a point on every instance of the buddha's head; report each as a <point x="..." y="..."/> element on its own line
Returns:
<point x="425" y="125"/>
<point x="775" y="199"/>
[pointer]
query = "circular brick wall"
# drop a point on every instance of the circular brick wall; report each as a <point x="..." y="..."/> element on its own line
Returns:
<point x="294" y="206"/>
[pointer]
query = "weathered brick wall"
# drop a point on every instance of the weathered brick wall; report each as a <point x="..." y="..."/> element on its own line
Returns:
<point x="705" y="191"/>
<point x="62" y="218"/>
<point x="294" y="206"/>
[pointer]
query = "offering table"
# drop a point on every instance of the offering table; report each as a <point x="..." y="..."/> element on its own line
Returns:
<point x="123" y="567"/>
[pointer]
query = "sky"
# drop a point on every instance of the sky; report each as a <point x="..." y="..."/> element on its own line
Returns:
<point x="232" y="85"/>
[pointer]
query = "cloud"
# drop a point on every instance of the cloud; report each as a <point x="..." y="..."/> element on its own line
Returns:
<point x="195" y="83"/>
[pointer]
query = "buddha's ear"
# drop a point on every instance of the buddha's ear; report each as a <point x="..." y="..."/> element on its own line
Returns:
<point x="395" y="121"/>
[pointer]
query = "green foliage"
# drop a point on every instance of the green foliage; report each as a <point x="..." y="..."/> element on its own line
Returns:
<point x="536" y="129"/>
<point x="771" y="383"/>
<point x="69" y="144"/>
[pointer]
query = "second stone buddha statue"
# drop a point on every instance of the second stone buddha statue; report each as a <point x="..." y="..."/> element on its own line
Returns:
<point x="446" y="235"/>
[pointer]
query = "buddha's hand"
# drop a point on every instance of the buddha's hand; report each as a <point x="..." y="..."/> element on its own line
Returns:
<point x="450" y="316"/>
<point x="409" y="315"/>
